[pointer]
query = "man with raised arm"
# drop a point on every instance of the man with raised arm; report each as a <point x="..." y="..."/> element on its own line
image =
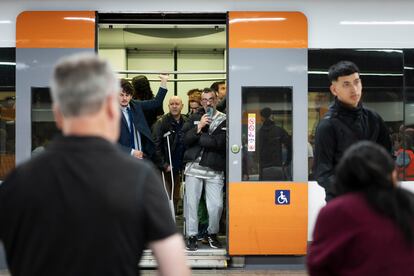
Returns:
<point x="136" y="137"/>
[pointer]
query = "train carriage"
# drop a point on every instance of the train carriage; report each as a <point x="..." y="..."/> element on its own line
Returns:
<point x="272" y="54"/>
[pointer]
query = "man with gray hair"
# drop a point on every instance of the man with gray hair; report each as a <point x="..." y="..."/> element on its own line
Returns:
<point x="82" y="207"/>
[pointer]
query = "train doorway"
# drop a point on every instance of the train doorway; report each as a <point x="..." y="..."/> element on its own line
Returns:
<point x="192" y="49"/>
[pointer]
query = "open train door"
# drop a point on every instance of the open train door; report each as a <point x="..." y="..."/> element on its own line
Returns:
<point x="267" y="133"/>
<point x="42" y="38"/>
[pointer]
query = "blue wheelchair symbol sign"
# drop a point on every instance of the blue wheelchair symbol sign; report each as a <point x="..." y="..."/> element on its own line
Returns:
<point x="282" y="197"/>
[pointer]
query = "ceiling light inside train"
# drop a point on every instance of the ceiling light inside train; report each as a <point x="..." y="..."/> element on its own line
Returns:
<point x="264" y="19"/>
<point x="403" y="22"/>
<point x="5" y="22"/>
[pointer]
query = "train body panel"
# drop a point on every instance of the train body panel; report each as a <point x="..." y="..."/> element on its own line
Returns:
<point x="331" y="24"/>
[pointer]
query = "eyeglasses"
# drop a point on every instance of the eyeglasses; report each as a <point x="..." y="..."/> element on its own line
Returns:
<point x="210" y="100"/>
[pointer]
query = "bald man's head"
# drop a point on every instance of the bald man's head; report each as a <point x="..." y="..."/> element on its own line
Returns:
<point x="175" y="105"/>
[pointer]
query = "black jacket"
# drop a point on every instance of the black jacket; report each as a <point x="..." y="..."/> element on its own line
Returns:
<point x="164" y="125"/>
<point x="222" y="105"/>
<point x="271" y="138"/>
<point x="214" y="145"/>
<point x="152" y="114"/>
<point x="138" y="108"/>
<point x="340" y="128"/>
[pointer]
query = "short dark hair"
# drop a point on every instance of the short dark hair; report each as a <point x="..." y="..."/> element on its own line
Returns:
<point x="342" y="68"/>
<point x="127" y="87"/>
<point x="266" y="112"/>
<point x="215" y="86"/>
<point x="209" y="90"/>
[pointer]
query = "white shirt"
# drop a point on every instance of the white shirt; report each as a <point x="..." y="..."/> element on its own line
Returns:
<point x="137" y="135"/>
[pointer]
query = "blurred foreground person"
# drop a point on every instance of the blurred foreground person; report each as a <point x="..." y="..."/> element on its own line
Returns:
<point x="369" y="228"/>
<point x="83" y="207"/>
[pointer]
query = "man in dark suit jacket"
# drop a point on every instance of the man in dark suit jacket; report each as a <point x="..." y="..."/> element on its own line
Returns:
<point x="142" y="144"/>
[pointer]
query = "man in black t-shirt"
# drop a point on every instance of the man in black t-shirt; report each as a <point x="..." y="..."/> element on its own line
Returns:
<point x="83" y="207"/>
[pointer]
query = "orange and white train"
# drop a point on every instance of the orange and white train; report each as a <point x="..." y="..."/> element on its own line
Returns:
<point x="271" y="53"/>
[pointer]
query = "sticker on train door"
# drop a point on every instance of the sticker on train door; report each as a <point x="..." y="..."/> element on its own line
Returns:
<point x="282" y="197"/>
<point x="251" y="131"/>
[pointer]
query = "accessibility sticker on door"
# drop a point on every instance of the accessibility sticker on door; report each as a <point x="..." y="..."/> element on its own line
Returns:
<point x="282" y="197"/>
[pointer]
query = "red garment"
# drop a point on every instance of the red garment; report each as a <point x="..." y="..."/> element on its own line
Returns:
<point x="406" y="173"/>
<point x="350" y="238"/>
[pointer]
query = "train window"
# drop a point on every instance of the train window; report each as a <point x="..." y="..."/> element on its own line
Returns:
<point x="267" y="133"/>
<point x="404" y="140"/>
<point x="7" y="110"/>
<point x="382" y="75"/>
<point x="43" y="122"/>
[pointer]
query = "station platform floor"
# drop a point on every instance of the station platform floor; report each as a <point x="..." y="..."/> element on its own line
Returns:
<point x="238" y="272"/>
<point x="224" y="272"/>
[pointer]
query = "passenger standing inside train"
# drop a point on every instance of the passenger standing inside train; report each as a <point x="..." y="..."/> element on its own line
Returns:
<point x="170" y="126"/>
<point x="369" y="228"/>
<point x="221" y="89"/>
<point x="143" y="92"/>
<point x="346" y="122"/>
<point x="82" y="207"/>
<point x="194" y="101"/>
<point x="205" y="138"/>
<point x="136" y="136"/>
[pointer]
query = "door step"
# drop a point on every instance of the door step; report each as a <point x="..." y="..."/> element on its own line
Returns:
<point x="202" y="258"/>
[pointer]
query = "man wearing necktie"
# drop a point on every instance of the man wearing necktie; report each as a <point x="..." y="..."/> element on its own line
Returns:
<point x="135" y="137"/>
